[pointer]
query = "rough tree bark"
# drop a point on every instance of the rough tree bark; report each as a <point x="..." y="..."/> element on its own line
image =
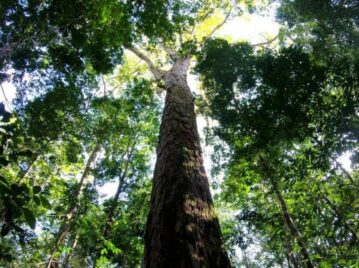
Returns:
<point x="182" y="228"/>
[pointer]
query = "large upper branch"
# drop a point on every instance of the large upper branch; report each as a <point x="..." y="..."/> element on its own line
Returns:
<point x="215" y="29"/>
<point x="157" y="73"/>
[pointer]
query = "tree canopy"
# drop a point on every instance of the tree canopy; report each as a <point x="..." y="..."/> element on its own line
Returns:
<point x="77" y="148"/>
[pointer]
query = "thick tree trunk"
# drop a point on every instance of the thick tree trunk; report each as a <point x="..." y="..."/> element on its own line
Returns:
<point x="182" y="228"/>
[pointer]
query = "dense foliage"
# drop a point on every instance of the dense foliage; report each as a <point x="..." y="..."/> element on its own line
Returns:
<point x="286" y="117"/>
<point x="77" y="149"/>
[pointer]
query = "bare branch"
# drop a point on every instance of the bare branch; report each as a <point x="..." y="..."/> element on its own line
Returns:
<point x="104" y="86"/>
<point x="6" y="99"/>
<point x="270" y="41"/>
<point x="204" y="17"/>
<point x="157" y="73"/>
<point x="222" y="23"/>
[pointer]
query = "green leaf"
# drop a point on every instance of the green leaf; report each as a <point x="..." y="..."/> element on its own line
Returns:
<point x="3" y="180"/>
<point x="45" y="202"/>
<point x="29" y="217"/>
<point x="37" y="200"/>
<point x="36" y="189"/>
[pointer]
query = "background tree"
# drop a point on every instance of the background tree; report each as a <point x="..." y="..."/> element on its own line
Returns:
<point x="286" y="117"/>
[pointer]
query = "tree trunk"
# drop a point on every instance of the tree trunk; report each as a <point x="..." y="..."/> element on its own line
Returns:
<point x="182" y="228"/>
<point x="65" y="226"/>
<point x="109" y="221"/>
<point x="291" y="258"/>
<point x="127" y="157"/>
<point x="27" y="171"/>
<point x="108" y="225"/>
<point x="245" y="258"/>
<point x="294" y="231"/>
<point x="341" y="219"/>
<point x="67" y="259"/>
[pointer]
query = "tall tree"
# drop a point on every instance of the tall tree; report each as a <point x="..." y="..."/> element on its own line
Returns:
<point x="293" y="109"/>
<point x="279" y="111"/>
<point x="182" y="228"/>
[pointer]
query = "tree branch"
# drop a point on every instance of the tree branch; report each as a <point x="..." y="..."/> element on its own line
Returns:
<point x="346" y="173"/>
<point x="6" y="99"/>
<point x="270" y="41"/>
<point x="157" y="73"/>
<point x="204" y="17"/>
<point x="215" y="29"/>
<point x="337" y="164"/>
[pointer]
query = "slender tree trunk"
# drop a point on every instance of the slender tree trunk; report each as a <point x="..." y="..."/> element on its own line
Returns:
<point x="111" y="212"/>
<point x="65" y="226"/>
<point x="127" y="157"/>
<point x="109" y="221"/>
<point x="27" y="171"/>
<point x="182" y="228"/>
<point x="341" y="219"/>
<point x="245" y="259"/>
<point x="68" y="256"/>
<point x="294" y="231"/>
<point x="290" y="256"/>
<point x="123" y="175"/>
